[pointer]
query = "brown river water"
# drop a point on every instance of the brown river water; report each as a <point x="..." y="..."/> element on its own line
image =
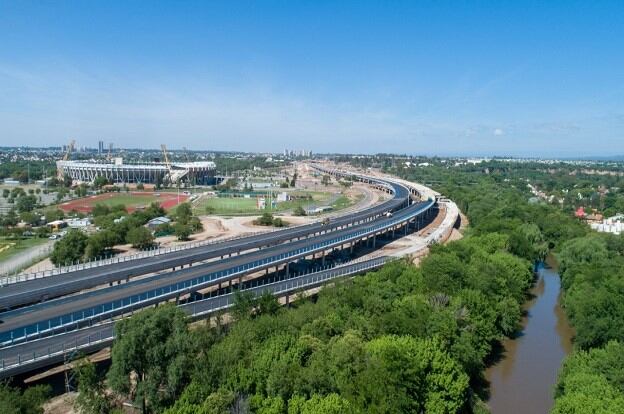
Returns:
<point x="523" y="380"/>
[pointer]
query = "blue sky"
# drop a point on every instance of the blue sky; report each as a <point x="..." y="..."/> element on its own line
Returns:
<point x="417" y="77"/>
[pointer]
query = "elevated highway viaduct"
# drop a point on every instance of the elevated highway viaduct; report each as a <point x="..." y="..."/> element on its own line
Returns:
<point x="70" y="316"/>
<point x="80" y="310"/>
<point x="37" y="290"/>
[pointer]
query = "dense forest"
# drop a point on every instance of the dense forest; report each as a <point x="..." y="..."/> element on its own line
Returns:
<point x="592" y="269"/>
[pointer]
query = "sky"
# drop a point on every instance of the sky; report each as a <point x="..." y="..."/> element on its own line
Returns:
<point x="516" y="78"/>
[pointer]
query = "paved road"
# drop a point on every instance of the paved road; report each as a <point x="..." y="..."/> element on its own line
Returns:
<point x="42" y="316"/>
<point x="49" y="350"/>
<point x="54" y="286"/>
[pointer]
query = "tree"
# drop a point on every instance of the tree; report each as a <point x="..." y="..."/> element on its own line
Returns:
<point x="195" y="224"/>
<point x="140" y="237"/>
<point x="53" y="214"/>
<point x="5" y="193"/>
<point x="12" y="401"/>
<point x="10" y="219"/>
<point x="81" y="190"/>
<point x="184" y="212"/>
<point x="29" y="217"/>
<point x="100" y="210"/>
<point x="42" y="232"/>
<point x="100" y="181"/>
<point x="151" y="357"/>
<point x="325" y="180"/>
<point x="329" y="404"/>
<point x="299" y="211"/>
<point x="405" y="374"/>
<point x="266" y="219"/>
<point x="209" y="210"/>
<point x="140" y="186"/>
<point x="91" y="398"/>
<point x="26" y="203"/>
<point x="182" y="231"/>
<point x="67" y="181"/>
<point x="70" y="248"/>
<point x="100" y="242"/>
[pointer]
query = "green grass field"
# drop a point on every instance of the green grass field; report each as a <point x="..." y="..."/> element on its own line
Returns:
<point x="11" y="247"/>
<point x="128" y="200"/>
<point x="247" y="206"/>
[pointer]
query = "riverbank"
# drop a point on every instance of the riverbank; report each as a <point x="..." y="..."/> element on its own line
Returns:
<point x="523" y="380"/>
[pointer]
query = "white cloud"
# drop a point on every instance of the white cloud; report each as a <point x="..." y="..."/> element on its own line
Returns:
<point x="498" y="132"/>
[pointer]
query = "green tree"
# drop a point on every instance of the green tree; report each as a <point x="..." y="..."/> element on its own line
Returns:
<point x="299" y="211"/>
<point x="182" y="231"/>
<point x="151" y="357"/>
<point x="266" y="219"/>
<point x="184" y="212"/>
<point x="26" y="203"/>
<point x="99" y="243"/>
<point x="329" y="404"/>
<point x="100" y="181"/>
<point x="195" y="224"/>
<point x="91" y="398"/>
<point x="12" y="401"/>
<point x="53" y="214"/>
<point x="409" y="375"/>
<point x="140" y="237"/>
<point x="70" y="248"/>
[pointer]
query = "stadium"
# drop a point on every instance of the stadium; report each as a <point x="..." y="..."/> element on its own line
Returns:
<point x="198" y="172"/>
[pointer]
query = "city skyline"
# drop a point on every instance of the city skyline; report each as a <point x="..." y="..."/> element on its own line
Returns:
<point x="538" y="80"/>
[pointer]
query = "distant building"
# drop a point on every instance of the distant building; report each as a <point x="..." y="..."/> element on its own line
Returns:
<point x="76" y="223"/>
<point x="155" y="222"/>
<point x="100" y="147"/>
<point x="283" y="196"/>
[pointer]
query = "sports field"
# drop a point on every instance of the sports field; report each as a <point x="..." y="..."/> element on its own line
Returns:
<point x="248" y="206"/>
<point x="132" y="201"/>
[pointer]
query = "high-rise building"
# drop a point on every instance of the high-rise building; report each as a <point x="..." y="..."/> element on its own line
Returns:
<point x="100" y="147"/>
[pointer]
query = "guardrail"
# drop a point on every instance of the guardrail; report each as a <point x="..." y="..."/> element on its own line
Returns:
<point x="160" y="294"/>
<point x="99" y="336"/>
<point x="156" y="251"/>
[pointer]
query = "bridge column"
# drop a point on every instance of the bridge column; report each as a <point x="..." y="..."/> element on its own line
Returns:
<point x="287" y="269"/>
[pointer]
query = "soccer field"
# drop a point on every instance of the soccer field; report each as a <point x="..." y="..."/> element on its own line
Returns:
<point x="227" y="205"/>
<point x="132" y="201"/>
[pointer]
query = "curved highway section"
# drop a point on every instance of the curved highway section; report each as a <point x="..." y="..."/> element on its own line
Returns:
<point x="37" y="290"/>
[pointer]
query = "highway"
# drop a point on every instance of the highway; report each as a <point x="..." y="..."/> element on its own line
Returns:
<point x="37" y="290"/>
<point x="44" y="352"/>
<point x="43" y="327"/>
<point x="52" y="316"/>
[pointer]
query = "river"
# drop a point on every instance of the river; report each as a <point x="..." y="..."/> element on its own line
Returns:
<point x="523" y="380"/>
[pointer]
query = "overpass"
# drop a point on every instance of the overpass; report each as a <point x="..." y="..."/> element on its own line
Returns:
<point x="42" y="288"/>
<point x="41" y="327"/>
